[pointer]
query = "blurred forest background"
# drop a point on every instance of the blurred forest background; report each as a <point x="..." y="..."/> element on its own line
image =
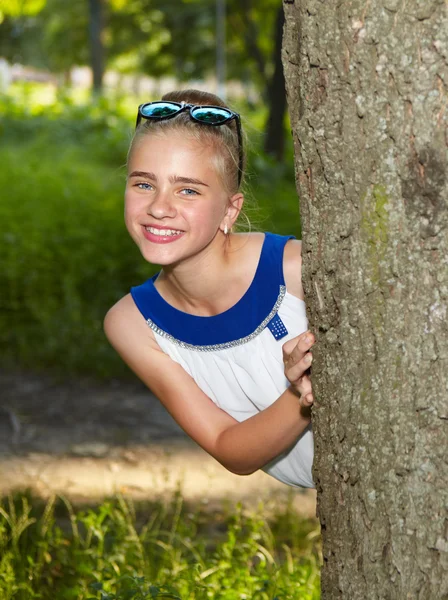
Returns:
<point x="75" y="426"/>
<point x="71" y="77"/>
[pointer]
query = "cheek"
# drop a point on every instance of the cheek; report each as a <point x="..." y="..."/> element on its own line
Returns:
<point x="132" y="206"/>
<point x="206" y="213"/>
<point x="132" y="210"/>
<point x="127" y="208"/>
<point x="203" y="219"/>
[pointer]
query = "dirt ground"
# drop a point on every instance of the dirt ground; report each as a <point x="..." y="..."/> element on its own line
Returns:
<point x="88" y="440"/>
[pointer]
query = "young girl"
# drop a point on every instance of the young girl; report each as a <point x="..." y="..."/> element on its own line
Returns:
<point x="220" y="333"/>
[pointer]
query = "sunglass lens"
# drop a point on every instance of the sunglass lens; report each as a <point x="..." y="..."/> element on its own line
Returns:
<point x="215" y="116"/>
<point x="159" y="109"/>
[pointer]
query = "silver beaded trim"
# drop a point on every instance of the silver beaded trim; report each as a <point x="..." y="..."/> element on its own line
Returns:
<point x="231" y="344"/>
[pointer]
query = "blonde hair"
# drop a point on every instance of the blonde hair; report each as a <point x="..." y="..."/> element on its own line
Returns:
<point x="223" y="139"/>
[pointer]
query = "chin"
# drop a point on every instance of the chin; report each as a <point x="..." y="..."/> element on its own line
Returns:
<point x="163" y="255"/>
<point x="173" y="253"/>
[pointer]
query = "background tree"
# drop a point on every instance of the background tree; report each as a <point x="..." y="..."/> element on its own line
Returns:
<point x="155" y="38"/>
<point x="367" y="92"/>
<point x="17" y="29"/>
<point x="259" y="26"/>
<point x="275" y="129"/>
<point x="96" y="25"/>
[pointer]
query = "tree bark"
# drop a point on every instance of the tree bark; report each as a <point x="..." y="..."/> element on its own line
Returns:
<point x="367" y="92"/>
<point x="96" y="43"/>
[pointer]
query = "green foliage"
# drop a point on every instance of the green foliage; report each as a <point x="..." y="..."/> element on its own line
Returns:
<point x="17" y="8"/>
<point x="119" y="550"/>
<point x="53" y="37"/>
<point x="154" y="37"/>
<point x="66" y="256"/>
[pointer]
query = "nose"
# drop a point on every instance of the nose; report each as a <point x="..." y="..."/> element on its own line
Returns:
<point x="161" y="205"/>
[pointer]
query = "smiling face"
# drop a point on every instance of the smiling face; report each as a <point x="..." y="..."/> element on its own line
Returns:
<point x="175" y="201"/>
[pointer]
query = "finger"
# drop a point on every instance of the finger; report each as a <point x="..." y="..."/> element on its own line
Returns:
<point x="304" y="385"/>
<point x="289" y="346"/>
<point x="294" y="348"/>
<point x="303" y="390"/>
<point x="306" y="392"/>
<point x="307" y="400"/>
<point x="303" y="345"/>
<point x="295" y="371"/>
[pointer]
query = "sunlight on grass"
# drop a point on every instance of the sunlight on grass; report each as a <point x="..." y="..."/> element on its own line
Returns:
<point x="121" y="549"/>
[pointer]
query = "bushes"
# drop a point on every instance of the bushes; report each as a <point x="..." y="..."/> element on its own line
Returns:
<point x="65" y="257"/>
<point x="65" y="254"/>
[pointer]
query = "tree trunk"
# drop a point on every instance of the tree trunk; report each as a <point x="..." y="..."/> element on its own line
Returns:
<point x="275" y="129"/>
<point x="96" y="43"/>
<point x="367" y="92"/>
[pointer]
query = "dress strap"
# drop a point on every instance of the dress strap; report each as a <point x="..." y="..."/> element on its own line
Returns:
<point x="272" y="267"/>
<point x="271" y="260"/>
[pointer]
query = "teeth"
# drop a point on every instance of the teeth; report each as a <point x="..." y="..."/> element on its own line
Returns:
<point x="163" y="232"/>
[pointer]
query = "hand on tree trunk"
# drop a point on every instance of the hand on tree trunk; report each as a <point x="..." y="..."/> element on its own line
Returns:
<point x="297" y="359"/>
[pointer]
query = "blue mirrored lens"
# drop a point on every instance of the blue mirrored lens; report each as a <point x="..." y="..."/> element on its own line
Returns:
<point x="159" y="109"/>
<point x="211" y="115"/>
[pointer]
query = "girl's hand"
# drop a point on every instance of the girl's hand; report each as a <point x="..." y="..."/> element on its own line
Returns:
<point x="297" y="360"/>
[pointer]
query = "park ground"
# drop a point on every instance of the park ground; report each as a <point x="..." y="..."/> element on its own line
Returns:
<point x="89" y="440"/>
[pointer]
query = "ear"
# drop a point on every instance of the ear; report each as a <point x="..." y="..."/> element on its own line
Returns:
<point x="234" y="208"/>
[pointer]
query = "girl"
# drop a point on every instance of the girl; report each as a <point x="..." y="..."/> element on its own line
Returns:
<point x="220" y="333"/>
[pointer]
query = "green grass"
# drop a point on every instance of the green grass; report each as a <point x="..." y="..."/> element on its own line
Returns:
<point x="121" y="550"/>
<point x="66" y="256"/>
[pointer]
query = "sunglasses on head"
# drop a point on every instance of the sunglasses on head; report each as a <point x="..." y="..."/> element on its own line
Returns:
<point x="207" y="115"/>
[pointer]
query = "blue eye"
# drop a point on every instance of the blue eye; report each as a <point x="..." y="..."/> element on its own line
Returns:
<point x="190" y="190"/>
<point x="143" y="186"/>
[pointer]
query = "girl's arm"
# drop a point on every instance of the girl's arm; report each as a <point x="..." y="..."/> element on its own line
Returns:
<point x="240" y="447"/>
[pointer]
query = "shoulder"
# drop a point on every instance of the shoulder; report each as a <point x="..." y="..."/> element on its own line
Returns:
<point x="122" y="310"/>
<point x="124" y="324"/>
<point x="292" y="268"/>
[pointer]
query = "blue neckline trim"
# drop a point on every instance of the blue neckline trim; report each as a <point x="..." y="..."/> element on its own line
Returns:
<point x="239" y="321"/>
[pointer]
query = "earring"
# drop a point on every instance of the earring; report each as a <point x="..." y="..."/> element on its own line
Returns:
<point x="225" y="228"/>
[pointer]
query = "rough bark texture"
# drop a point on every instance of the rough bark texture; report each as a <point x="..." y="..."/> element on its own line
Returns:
<point x="367" y="92"/>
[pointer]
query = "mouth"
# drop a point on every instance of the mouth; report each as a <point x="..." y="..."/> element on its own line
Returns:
<point x="163" y="232"/>
<point x="161" y="236"/>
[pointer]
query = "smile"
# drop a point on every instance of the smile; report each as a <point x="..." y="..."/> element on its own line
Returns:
<point x="161" y="236"/>
<point x="163" y="232"/>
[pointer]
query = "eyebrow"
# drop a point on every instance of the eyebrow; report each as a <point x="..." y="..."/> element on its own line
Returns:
<point x="172" y="178"/>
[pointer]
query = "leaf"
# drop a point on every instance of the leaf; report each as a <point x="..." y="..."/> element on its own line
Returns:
<point x="96" y="585"/>
<point x="19" y="8"/>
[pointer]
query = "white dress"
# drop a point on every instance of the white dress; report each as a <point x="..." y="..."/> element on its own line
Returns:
<point x="236" y="357"/>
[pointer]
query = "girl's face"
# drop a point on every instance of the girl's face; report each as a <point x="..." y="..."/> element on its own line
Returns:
<point x="175" y="201"/>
